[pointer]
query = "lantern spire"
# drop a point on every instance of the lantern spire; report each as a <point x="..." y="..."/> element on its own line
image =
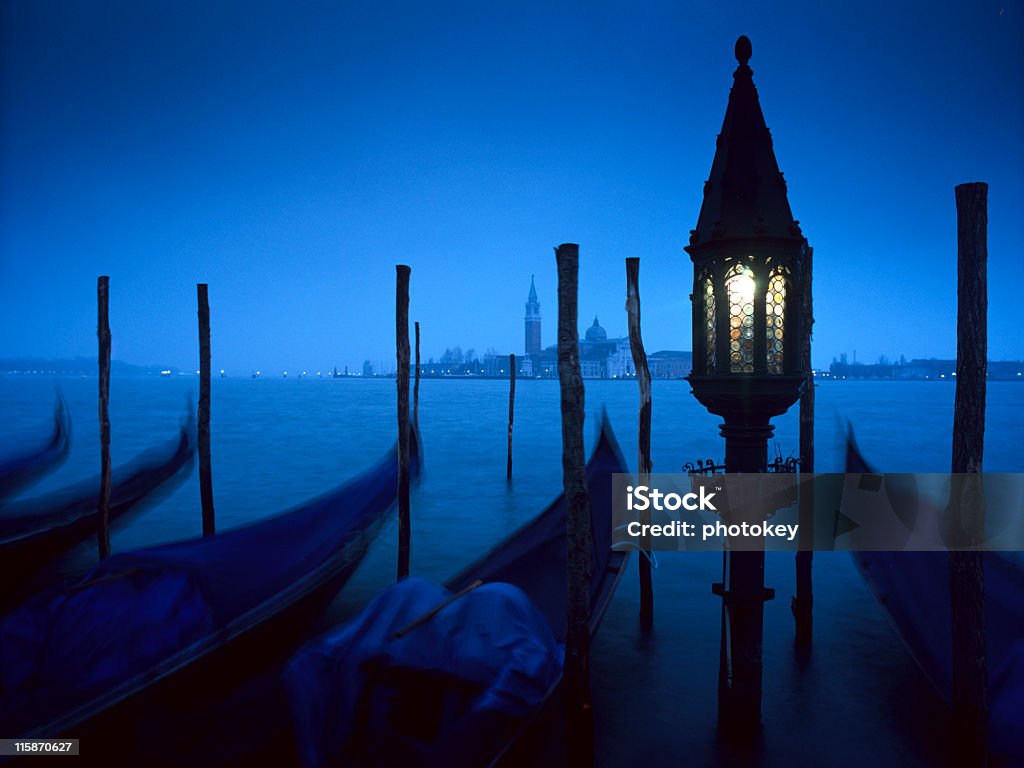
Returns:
<point x="745" y="195"/>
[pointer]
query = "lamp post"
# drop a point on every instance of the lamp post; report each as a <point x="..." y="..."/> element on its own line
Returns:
<point x="748" y="258"/>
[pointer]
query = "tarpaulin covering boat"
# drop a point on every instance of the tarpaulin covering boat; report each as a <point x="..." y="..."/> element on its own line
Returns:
<point x="404" y="685"/>
<point x="144" y="618"/>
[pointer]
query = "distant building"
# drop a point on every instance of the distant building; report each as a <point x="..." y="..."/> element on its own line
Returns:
<point x="930" y="369"/>
<point x="532" y="321"/>
<point x="600" y="357"/>
<point x="367" y="368"/>
<point x="670" y="364"/>
<point x="604" y="358"/>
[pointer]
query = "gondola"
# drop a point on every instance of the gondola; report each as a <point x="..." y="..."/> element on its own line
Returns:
<point x="161" y="627"/>
<point x="913" y="590"/>
<point x="18" y="472"/>
<point x="36" y="530"/>
<point x="455" y="675"/>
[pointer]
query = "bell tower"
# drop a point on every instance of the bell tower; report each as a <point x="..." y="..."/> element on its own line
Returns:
<point x="532" y="321"/>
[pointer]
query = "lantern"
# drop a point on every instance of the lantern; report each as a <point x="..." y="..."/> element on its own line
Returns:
<point x="749" y="257"/>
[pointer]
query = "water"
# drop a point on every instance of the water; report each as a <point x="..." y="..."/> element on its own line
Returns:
<point x="277" y="442"/>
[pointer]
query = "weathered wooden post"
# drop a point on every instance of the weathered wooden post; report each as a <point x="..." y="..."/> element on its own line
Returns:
<point x="416" y="386"/>
<point x="643" y="377"/>
<point x="803" y="603"/>
<point x="579" y="537"/>
<point x="966" y="572"/>
<point x="205" y="470"/>
<point x="103" y="334"/>
<point x="402" y="345"/>
<point x="511" y="410"/>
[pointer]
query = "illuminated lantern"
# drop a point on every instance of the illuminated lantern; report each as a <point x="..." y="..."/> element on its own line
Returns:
<point x="748" y="258"/>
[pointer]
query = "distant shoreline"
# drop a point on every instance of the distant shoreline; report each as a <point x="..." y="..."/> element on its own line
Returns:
<point x="819" y="377"/>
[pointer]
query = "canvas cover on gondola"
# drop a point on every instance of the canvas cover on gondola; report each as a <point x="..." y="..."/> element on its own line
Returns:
<point x="138" y="615"/>
<point x="459" y="692"/>
<point x="492" y="643"/>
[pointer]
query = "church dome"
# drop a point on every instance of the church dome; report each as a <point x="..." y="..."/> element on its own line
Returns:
<point x="596" y="332"/>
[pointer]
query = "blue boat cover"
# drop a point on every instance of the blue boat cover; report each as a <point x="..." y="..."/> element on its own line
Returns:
<point x="492" y="638"/>
<point x="140" y="613"/>
<point x="100" y="635"/>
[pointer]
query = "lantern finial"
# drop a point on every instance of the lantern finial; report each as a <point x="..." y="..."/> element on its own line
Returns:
<point x="743" y="50"/>
<point x="745" y="195"/>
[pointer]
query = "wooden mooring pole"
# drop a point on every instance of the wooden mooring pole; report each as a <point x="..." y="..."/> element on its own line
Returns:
<point x="803" y="604"/>
<point x="416" y="385"/>
<point x="205" y="470"/>
<point x="643" y="377"/>
<point x="511" y="410"/>
<point x="966" y="572"/>
<point x="103" y="334"/>
<point x="402" y="376"/>
<point x="579" y="538"/>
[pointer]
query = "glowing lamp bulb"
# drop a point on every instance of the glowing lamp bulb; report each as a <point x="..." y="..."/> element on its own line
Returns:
<point x="741" y="289"/>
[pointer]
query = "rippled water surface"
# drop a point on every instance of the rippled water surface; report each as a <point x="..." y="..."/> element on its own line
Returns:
<point x="276" y="442"/>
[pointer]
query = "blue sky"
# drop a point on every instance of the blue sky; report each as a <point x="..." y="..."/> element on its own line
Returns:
<point x="290" y="154"/>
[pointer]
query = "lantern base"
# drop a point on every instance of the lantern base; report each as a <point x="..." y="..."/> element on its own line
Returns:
<point x="747" y="401"/>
